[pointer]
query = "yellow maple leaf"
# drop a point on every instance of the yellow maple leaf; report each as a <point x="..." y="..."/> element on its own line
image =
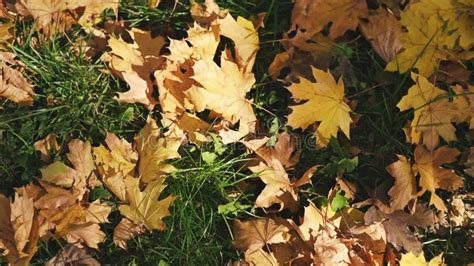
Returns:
<point x="135" y="63"/>
<point x="245" y="37"/>
<point x="144" y="208"/>
<point x="426" y="42"/>
<point x="154" y="150"/>
<point x="433" y="176"/>
<point x="433" y="114"/>
<point x="223" y="90"/>
<point x="411" y="259"/>
<point x="325" y="104"/>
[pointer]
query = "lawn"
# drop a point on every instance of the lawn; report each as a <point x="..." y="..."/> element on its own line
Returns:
<point x="271" y="132"/>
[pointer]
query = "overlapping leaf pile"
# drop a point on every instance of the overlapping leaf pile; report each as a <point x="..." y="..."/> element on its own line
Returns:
<point x="59" y="206"/>
<point x="199" y="88"/>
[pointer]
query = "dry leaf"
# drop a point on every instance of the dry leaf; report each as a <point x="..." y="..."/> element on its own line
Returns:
<point x="433" y="176"/>
<point x="47" y="146"/>
<point x="405" y="188"/>
<point x="425" y="43"/>
<point x="72" y="255"/>
<point x="13" y="85"/>
<point x="344" y="15"/>
<point x="434" y="114"/>
<point x="383" y="32"/>
<point x="325" y="105"/>
<point x="125" y="231"/>
<point x="397" y="225"/>
<point x="144" y="208"/>
<point x="410" y="259"/>
<point x="19" y="229"/>
<point x="253" y="235"/>
<point x="154" y="150"/>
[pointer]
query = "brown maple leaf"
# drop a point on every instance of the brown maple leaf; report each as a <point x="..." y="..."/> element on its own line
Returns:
<point x="397" y="226"/>
<point x="13" y="85"/>
<point x="255" y="234"/>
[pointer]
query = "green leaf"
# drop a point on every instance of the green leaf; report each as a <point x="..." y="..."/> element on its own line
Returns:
<point x="339" y="201"/>
<point x="208" y="157"/>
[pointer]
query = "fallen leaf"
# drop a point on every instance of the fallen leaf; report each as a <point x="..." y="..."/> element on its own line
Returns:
<point x="325" y="104"/>
<point x="13" y="85"/>
<point x="433" y="116"/>
<point x="47" y="146"/>
<point x="344" y="15"/>
<point x="410" y="259"/>
<point x="405" y="188"/>
<point x="154" y="150"/>
<point x="397" y="226"/>
<point x="253" y="235"/>
<point x="425" y="43"/>
<point x="245" y="38"/>
<point x="433" y="176"/>
<point x="231" y="103"/>
<point x="383" y="32"/>
<point x="72" y="255"/>
<point x="19" y="233"/>
<point x="330" y="251"/>
<point x="135" y="63"/>
<point x="144" y="208"/>
<point x="125" y="231"/>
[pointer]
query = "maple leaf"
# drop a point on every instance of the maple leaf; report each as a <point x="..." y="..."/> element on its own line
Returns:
<point x="344" y="15"/>
<point x="404" y="189"/>
<point x="48" y="15"/>
<point x="118" y="157"/>
<point x="412" y="259"/>
<point x="223" y="91"/>
<point x="135" y="63"/>
<point x="284" y="151"/>
<point x="72" y="255"/>
<point x="47" y="146"/>
<point x="144" y="208"/>
<point x="325" y="104"/>
<point x="80" y="155"/>
<point x="91" y="10"/>
<point x="434" y="113"/>
<point x="372" y="240"/>
<point x="255" y="234"/>
<point x="125" y="231"/>
<point x="245" y="38"/>
<point x="13" y="85"/>
<point x="397" y="226"/>
<point x="271" y="170"/>
<point x="433" y="176"/>
<point x="153" y="152"/>
<point x="330" y="251"/>
<point x="18" y="229"/>
<point x="383" y="32"/>
<point x="425" y="43"/>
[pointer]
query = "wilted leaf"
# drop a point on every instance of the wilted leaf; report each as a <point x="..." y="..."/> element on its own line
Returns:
<point x="344" y="15"/>
<point x="47" y="146"/>
<point x="72" y="255"/>
<point x="13" y="85"/>
<point x="125" y="231"/>
<point x="254" y="234"/>
<point x="397" y="225"/>
<point x="433" y="176"/>
<point x="405" y="187"/>
<point x="383" y="31"/>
